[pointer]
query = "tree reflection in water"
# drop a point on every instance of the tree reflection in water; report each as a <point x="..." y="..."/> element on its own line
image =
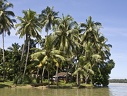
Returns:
<point x="54" y="92"/>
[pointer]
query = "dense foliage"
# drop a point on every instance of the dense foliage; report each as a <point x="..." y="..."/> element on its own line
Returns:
<point x="78" y="49"/>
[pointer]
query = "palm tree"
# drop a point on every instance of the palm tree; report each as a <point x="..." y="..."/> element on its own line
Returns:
<point x="49" y="56"/>
<point x="6" y="23"/>
<point x="83" y="69"/>
<point x="91" y="30"/>
<point x="14" y="54"/>
<point x="104" y="67"/>
<point x="66" y="33"/>
<point x="48" y="18"/>
<point x="29" y="27"/>
<point x="96" y="51"/>
<point x="89" y="44"/>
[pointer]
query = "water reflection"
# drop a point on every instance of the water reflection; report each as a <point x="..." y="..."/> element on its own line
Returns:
<point x="113" y="90"/>
<point x="19" y="92"/>
<point x="76" y="92"/>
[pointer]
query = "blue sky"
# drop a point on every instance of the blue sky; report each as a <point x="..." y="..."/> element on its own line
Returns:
<point x="111" y="13"/>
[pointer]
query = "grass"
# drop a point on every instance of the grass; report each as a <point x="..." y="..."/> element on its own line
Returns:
<point x="6" y="84"/>
<point x="61" y="84"/>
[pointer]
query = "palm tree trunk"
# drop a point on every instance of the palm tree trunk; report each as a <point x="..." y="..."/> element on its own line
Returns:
<point x="57" y="76"/>
<point x="67" y="74"/>
<point x="43" y="74"/>
<point x="86" y="79"/>
<point x="78" y="79"/>
<point x="26" y="58"/>
<point x="3" y="57"/>
<point x="48" y="78"/>
<point x="37" y="76"/>
<point x="22" y="56"/>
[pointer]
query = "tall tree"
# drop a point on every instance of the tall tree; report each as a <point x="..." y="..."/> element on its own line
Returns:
<point x="29" y="26"/>
<point x="49" y="56"/>
<point x="66" y="33"/>
<point x="89" y="42"/>
<point x="14" y="60"/>
<point x="104" y="67"/>
<point x="6" y="23"/>
<point x="48" y="18"/>
<point x="96" y="51"/>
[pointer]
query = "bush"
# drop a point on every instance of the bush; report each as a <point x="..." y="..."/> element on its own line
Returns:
<point x="19" y="80"/>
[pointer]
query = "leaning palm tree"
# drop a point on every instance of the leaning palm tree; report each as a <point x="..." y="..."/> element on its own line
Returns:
<point x="6" y="23"/>
<point x="29" y="27"/>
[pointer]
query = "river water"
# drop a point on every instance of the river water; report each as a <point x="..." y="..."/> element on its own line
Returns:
<point x="114" y="89"/>
<point x="118" y="89"/>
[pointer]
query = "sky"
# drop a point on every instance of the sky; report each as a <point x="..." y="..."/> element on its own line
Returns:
<point x="111" y="13"/>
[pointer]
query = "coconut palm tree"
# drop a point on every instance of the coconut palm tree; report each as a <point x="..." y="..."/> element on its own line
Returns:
<point x="91" y="30"/>
<point x="66" y="33"/>
<point x="96" y="51"/>
<point x="49" y="56"/>
<point x="83" y="70"/>
<point x="29" y="27"/>
<point x="14" y="59"/>
<point x="48" y="18"/>
<point x="89" y="42"/>
<point x="102" y="69"/>
<point x="6" y="23"/>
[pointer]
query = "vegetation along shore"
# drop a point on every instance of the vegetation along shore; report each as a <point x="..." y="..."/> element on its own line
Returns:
<point x="71" y="54"/>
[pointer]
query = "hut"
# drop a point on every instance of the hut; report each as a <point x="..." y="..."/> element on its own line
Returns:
<point x="61" y="76"/>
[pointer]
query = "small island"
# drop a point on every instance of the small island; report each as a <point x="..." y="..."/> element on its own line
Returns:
<point x="71" y="54"/>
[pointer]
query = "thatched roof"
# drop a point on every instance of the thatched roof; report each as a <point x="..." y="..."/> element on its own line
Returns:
<point x="61" y="74"/>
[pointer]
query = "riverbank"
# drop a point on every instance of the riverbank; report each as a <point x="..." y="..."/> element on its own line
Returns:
<point x="40" y="86"/>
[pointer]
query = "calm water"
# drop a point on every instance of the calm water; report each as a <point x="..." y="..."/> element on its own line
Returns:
<point x="113" y="90"/>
